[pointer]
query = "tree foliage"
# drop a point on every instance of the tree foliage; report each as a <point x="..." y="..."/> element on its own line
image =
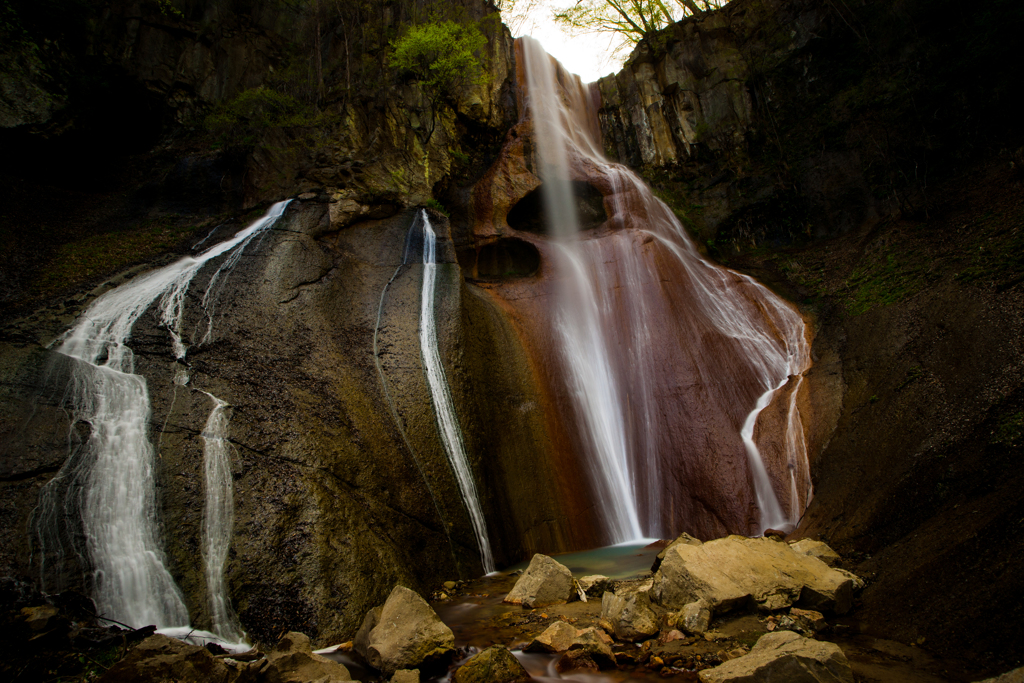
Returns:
<point x="440" y="55"/>
<point x="631" y="19"/>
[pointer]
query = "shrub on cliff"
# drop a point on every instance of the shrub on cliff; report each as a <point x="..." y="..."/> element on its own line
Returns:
<point x="241" y="118"/>
<point x="440" y="55"/>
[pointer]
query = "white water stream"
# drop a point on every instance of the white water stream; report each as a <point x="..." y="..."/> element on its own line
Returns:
<point x="115" y="467"/>
<point x="444" y="408"/>
<point x="609" y="296"/>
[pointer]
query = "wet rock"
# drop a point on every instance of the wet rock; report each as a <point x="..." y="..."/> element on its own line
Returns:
<point x="784" y="656"/>
<point x="449" y="585"/>
<point x="292" y="661"/>
<point x="406" y="676"/>
<point x="807" y="546"/>
<point x="594" y="585"/>
<point x="684" y="538"/>
<point x="160" y="659"/>
<point x="576" y="660"/>
<point x="597" y="644"/>
<point x="630" y="615"/>
<point x="494" y="665"/>
<point x="545" y="582"/>
<point x="408" y="634"/>
<point x="38" y="618"/>
<point x="736" y="572"/>
<point x="555" y="638"/>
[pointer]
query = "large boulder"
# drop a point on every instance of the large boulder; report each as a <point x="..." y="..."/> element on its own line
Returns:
<point x="292" y="661"/>
<point x="1015" y="676"/>
<point x="736" y="571"/>
<point x="594" y="585"/>
<point x="630" y="615"/>
<point x="161" y="659"/>
<point x="494" y="665"/>
<point x="408" y="634"/>
<point x="545" y="582"/>
<point x="784" y="656"/>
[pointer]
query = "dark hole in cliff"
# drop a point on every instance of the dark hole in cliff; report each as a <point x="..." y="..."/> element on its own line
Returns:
<point x="529" y="215"/>
<point x="506" y="258"/>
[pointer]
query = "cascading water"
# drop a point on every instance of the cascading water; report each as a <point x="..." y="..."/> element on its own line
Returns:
<point x="444" y="409"/>
<point x="218" y="520"/>
<point x="669" y="359"/>
<point x="110" y="477"/>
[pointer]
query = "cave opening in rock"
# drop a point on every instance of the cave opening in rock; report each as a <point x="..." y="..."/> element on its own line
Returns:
<point x="529" y="215"/>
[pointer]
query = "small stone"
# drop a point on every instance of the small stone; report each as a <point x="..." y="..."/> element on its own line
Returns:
<point x="450" y="585"/>
<point x="672" y="636"/>
<point x="808" y="619"/>
<point x="656" y="663"/>
<point x="306" y="196"/>
<point x="406" y="676"/>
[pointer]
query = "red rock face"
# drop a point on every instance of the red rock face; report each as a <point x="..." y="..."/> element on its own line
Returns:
<point x="687" y="349"/>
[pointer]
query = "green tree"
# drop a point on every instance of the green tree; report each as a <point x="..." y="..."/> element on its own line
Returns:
<point x="441" y="57"/>
<point x="633" y="20"/>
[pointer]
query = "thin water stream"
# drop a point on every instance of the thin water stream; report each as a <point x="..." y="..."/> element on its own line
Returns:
<point x="444" y="408"/>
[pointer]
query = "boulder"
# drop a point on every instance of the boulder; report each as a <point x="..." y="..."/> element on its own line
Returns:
<point x="594" y="585"/>
<point x="784" y="656"/>
<point x="736" y="572"/>
<point x="408" y="634"/>
<point x="555" y="638"/>
<point x="630" y="615"/>
<point x="807" y="546"/>
<point x="292" y="661"/>
<point x="694" y="618"/>
<point x="684" y="538"/>
<point x="361" y="642"/>
<point x="545" y="582"/>
<point x="597" y="644"/>
<point x="161" y="659"/>
<point x="576" y="660"/>
<point x="494" y="665"/>
<point x="406" y="676"/>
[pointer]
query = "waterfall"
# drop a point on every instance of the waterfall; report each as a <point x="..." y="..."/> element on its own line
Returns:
<point x="669" y="360"/>
<point x="218" y="520"/>
<point x="110" y="477"/>
<point x="444" y="409"/>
